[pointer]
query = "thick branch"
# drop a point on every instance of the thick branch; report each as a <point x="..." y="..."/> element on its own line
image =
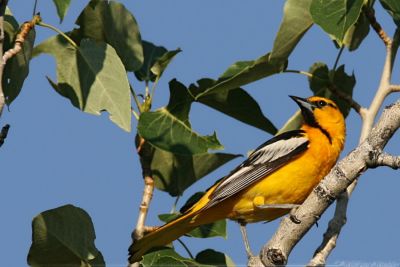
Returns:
<point x="368" y="117"/>
<point x="277" y="250"/>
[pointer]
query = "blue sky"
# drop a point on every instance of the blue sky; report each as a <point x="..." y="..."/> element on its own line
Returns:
<point x="56" y="155"/>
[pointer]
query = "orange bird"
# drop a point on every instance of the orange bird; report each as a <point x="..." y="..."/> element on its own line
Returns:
<point x="276" y="177"/>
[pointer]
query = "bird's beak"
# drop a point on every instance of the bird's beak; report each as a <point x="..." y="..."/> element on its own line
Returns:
<point x="307" y="109"/>
<point x="303" y="103"/>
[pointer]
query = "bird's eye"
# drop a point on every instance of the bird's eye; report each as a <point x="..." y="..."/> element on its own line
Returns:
<point x="321" y="103"/>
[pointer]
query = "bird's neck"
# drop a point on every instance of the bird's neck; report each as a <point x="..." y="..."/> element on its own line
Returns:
<point x="335" y="133"/>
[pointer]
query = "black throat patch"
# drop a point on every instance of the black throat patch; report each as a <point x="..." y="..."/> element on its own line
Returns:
<point x="310" y="120"/>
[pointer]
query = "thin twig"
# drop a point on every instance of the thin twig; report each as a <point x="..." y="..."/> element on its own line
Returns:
<point x="144" y="207"/>
<point x="332" y="233"/>
<point x="26" y="27"/>
<point x="69" y="40"/>
<point x="299" y="72"/>
<point x="145" y="152"/>
<point x="394" y="88"/>
<point x="186" y="248"/>
<point x="3" y="5"/>
<point x="34" y="8"/>
<point x="338" y="57"/>
<point x="383" y="159"/>
<point x="381" y="94"/>
<point x="135" y="98"/>
<point x="354" y="104"/>
<point x="173" y="210"/>
<point x="370" y="14"/>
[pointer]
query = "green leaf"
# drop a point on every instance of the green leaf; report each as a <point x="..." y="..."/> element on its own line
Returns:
<point x="244" y="72"/>
<point x="217" y="228"/>
<point x="167" y="257"/>
<point x="180" y="101"/>
<point x="165" y="131"/>
<point x="236" y="103"/>
<point x="111" y="22"/>
<point x="17" y="67"/>
<point x="323" y="79"/>
<point x="293" y="123"/>
<point x="64" y="237"/>
<point x="62" y="8"/>
<point x="296" y="22"/>
<point x="92" y="77"/>
<point x="151" y="54"/>
<point x="174" y="173"/>
<point x="357" y="33"/>
<point x="336" y="16"/>
<point x="216" y="258"/>
<point x="161" y="64"/>
<point x="393" y="8"/>
<point x="168" y="128"/>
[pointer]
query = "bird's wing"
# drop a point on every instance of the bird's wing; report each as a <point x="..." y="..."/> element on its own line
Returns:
<point x="267" y="158"/>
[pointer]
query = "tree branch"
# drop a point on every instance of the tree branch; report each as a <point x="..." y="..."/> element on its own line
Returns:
<point x="357" y="107"/>
<point x="383" y="159"/>
<point x="370" y="14"/>
<point x="368" y="117"/>
<point x="3" y="5"/>
<point x="26" y="27"/>
<point x="145" y="152"/>
<point x="335" y="225"/>
<point x="394" y="88"/>
<point x="277" y="250"/>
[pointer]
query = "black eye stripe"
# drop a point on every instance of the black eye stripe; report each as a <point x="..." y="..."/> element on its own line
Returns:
<point x="331" y="105"/>
<point x="322" y="103"/>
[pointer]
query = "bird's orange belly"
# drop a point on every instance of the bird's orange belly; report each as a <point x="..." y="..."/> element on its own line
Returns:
<point x="291" y="184"/>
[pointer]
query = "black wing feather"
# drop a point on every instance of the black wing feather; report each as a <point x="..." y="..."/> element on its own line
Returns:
<point x="259" y="164"/>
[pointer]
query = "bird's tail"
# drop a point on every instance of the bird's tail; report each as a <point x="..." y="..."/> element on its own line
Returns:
<point x="162" y="236"/>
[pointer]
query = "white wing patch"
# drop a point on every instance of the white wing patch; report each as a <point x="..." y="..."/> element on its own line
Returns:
<point x="263" y="161"/>
<point x="265" y="155"/>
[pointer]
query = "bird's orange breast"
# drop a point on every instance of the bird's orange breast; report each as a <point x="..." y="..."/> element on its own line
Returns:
<point x="291" y="184"/>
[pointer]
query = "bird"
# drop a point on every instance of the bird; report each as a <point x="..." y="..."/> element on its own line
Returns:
<point x="276" y="177"/>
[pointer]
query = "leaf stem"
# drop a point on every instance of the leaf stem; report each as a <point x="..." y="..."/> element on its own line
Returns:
<point x="175" y="204"/>
<point x="59" y="32"/>
<point x="299" y="72"/>
<point x="135" y="114"/>
<point x="186" y="248"/>
<point x="338" y="57"/>
<point x="34" y="8"/>
<point x="153" y="88"/>
<point x="137" y="102"/>
<point x="147" y="88"/>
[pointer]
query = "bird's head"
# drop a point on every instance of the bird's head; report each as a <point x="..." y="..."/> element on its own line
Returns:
<point x="322" y="113"/>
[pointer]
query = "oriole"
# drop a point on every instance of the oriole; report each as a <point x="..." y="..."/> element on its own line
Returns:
<point x="278" y="175"/>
